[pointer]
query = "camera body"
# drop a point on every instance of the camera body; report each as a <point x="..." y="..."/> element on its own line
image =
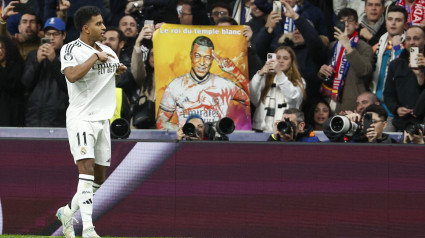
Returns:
<point x="286" y="127"/>
<point x="413" y="128"/>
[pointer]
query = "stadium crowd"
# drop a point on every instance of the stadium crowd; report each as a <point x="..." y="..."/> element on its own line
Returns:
<point x="347" y="58"/>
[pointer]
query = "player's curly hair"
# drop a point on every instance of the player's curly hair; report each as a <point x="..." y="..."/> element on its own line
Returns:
<point x="83" y="15"/>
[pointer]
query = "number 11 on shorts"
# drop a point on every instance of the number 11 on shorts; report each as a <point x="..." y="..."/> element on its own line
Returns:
<point x="84" y="137"/>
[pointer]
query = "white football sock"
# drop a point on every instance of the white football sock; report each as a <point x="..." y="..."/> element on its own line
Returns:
<point x="85" y="198"/>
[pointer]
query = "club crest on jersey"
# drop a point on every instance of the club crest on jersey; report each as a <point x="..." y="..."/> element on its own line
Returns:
<point x="68" y="57"/>
<point x="83" y="151"/>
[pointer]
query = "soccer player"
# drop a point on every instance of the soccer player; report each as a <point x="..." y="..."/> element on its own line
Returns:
<point x="90" y="69"/>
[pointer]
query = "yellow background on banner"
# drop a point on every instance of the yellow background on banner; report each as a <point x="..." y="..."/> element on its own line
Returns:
<point x="172" y="45"/>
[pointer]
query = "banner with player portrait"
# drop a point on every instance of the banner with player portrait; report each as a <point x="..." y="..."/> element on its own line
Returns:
<point x="201" y="70"/>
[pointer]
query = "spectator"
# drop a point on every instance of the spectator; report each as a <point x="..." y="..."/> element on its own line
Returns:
<point x="11" y="90"/>
<point x="29" y="27"/>
<point x="198" y="123"/>
<point x="364" y="100"/>
<point x="51" y="8"/>
<point x="193" y="13"/>
<point x="157" y="10"/>
<point x="286" y="26"/>
<point x="358" y="5"/>
<point x="297" y="131"/>
<point x="309" y="48"/>
<point x="348" y="72"/>
<point x="258" y="18"/>
<point x="185" y="13"/>
<point x="142" y="88"/>
<point x="36" y="6"/>
<point x="219" y="9"/>
<point x="242" y="11"/>
<point x="276" y="87"/>
<point x="410" y="137"/>
<point x="318" y="114"/>
<point x="372" y="134"/>
<point x="389" y="47"/>
<point x="115" y="39"/>
<point x="43" y="80"/>
<point x="404" y="84"/>
<point x="372" y="23"/>
<point x="128" y="26"/>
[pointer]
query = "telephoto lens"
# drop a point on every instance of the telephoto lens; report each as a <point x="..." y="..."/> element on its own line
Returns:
<point x="120" y="129"/>
<point x="189" y="129"/>
<point x="225" y="126"/>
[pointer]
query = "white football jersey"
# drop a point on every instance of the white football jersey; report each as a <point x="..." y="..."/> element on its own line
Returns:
<point x="208" y="98"/>
<point x="92" y="98"/>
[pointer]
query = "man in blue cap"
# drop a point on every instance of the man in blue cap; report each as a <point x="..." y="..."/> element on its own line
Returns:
<point x="43" y="80"/>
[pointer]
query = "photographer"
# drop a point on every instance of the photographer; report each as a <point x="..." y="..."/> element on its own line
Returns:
<point x="414" y="134"/>
<point x="198" y="123"/>
<point x="293" y="128"/>
<point x="365" y="128"/>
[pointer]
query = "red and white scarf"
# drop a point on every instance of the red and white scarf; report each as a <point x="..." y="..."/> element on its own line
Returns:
<point x="415" y="12"/>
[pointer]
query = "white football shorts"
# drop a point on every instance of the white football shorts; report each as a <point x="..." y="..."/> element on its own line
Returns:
<point x="90" y="139"/>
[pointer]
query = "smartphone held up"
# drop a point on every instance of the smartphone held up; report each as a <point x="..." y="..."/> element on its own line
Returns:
<point x="414" y="51"/>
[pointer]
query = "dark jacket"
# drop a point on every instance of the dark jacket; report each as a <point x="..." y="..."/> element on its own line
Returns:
<point x="11" y="94"/>
<point x="48" y="96"/>
<point x="402" y="90"/>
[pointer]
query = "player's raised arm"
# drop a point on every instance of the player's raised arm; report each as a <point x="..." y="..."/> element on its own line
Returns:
<point x="73" y="74"/>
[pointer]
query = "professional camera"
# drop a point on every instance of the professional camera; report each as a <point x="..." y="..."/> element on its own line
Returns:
<point x="120" y="129"/>
<point x="286" y="126"/>
<point x="220" y="129"/>
<point x="413" y="128"/>
<point x="190" y="130"/>
<point x="343" y="125"/>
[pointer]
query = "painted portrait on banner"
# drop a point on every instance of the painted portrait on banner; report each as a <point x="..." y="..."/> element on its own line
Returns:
<point x="201" y="70"/>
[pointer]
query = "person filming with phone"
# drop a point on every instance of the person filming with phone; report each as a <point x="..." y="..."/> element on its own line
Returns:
<point x="276" y="87"/>
<point x="43" y="80"/>
<point x="350" y="66"/>
<point x="405" y="80"/>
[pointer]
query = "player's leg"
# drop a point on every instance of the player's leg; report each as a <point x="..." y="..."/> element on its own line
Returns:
<point x="102" y="152"/>
<point x="102" y="155"/>
<point x="99" y="176"/>
<point x="81" y="139"/>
